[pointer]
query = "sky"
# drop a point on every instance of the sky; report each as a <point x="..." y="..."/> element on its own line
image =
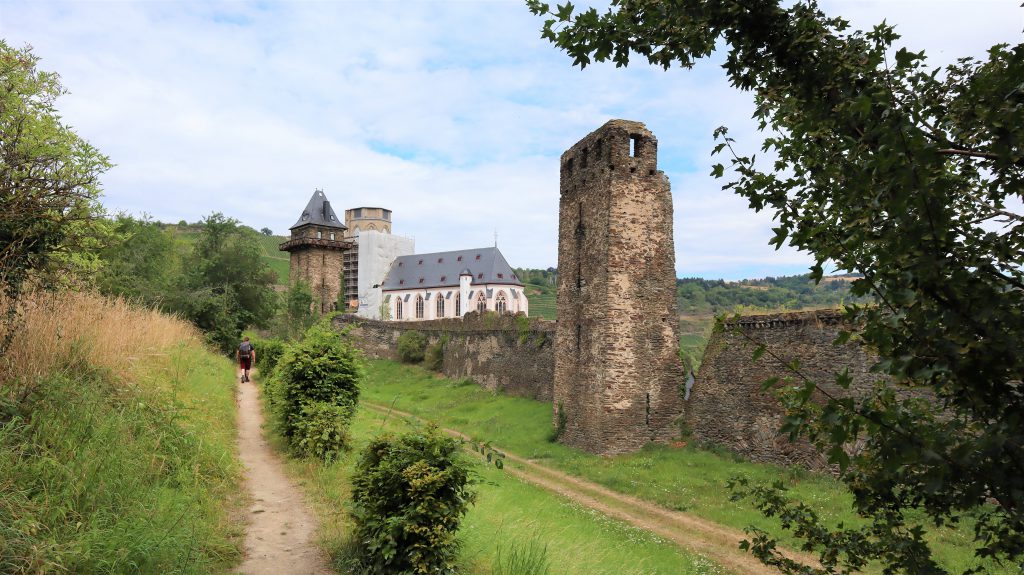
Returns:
<point x="453" y="114"/>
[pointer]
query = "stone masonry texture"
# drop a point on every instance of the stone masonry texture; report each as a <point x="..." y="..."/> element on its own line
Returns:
<point x="617" y="368"/>
<point x="510" y="354"/>
<point x="727" y="406"/>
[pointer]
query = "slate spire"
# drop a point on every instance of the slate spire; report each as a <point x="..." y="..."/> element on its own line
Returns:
<point x="318" y="212"/>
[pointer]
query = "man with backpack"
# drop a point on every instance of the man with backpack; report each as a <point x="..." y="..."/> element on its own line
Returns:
<point x="246" y="354"/>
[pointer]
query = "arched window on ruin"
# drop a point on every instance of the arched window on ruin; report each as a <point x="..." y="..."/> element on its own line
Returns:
<point x="419" y="307"/>
<point x="440" y="305"/>
<point x="500" y="305"/>
<point x="481" y="302"/>
<point x="398" y="308"/>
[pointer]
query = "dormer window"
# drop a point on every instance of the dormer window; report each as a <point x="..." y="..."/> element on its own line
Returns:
<point x="477" y="256"/>
<point x="501" y="276"/>
<point x="479" y="276"/>
<point x="421" y="262"/>
<point x="401" y="282"/>
<point x="421" y="280"/>
<point x="443" y="278"/>
<point x="459" y="259"/>
<point x="399" y="264"/>
<point x="440" y="260"/>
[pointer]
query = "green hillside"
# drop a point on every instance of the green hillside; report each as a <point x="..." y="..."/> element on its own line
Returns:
<point x="272" y="256"/>
<point x="275" y="258"/>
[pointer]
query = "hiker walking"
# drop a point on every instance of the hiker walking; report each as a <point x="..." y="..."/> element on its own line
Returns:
<point x="246" y="354"/>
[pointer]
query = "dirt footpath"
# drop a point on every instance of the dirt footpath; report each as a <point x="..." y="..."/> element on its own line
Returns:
<point x="715" y="541"/>
<point x="280" y="530"/>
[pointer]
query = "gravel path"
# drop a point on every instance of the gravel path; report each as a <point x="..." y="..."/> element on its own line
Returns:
<point x="280" y="530"/>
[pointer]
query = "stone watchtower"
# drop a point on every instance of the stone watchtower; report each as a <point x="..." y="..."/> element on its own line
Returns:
<point x="617" y="368"/>
<point x="317" y="246"/>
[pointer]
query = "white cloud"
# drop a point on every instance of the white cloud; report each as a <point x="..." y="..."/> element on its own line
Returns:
<point x="453" y="114"/>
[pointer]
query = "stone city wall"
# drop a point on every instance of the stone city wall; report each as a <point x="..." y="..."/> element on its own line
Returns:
<point x="511" y="354"/>
<point x="728" y="408"/>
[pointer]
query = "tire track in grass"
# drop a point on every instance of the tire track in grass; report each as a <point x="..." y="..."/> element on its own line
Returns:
<point x="713" y="540"/>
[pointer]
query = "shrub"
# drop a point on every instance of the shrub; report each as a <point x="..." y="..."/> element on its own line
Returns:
<point x="411" y="346"/>
<point x="321" y="368"/>
<point x="433" y="357"/>
<point x="409" y="495"/>
<point x="321" y="431"/>
<point x="268" y="353"/>
<point x="555" y="433"/>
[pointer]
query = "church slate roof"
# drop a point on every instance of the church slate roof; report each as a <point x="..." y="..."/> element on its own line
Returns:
<point x="318" y="212"/>
<point x="442" y="269"/>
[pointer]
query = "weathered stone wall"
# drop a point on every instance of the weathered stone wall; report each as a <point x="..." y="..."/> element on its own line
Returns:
<point x="511" y="354"/>
<point x="617" y="370"/>
<point x="728" y="408"/>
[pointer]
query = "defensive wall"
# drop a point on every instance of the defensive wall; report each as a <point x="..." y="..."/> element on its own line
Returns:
<point x="727" y="406"/>
<point x="511" y="354"/>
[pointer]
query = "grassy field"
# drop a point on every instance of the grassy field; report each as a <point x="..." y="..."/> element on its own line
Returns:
<point x="117" y="444"/>
<point x="274" y="257"/>
<point x="509" y="516"/>
<point x="686" y="479"/>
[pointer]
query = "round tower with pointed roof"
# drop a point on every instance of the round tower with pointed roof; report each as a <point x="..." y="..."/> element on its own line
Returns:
<point x="317" y="245"/>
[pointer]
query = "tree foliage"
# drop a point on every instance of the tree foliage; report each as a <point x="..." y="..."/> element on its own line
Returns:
<point x="49" y="180"/>
<point x="912" y="177"/>
<point x="141" y="262"/>
<point x="226" y="286"/>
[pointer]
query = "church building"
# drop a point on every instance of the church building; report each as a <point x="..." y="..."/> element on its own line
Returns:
<point x="451" y="284"/>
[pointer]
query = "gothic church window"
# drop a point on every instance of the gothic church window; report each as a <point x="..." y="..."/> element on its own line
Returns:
<point x="419" y="307"/>
<point x="499" y="303"/>
<point x="398" y="308"/>
<point x="481" y="302"/>
<point x="440" y="306"/>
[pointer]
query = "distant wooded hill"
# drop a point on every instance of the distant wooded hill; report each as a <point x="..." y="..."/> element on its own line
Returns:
<point x="698" y="296"/>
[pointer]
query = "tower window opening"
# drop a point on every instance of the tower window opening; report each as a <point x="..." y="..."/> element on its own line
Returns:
<point x="634" y="146"/>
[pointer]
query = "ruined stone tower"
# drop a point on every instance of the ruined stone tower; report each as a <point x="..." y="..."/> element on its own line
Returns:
<point x="317" y="246"/>
<point x="617" y="369"/>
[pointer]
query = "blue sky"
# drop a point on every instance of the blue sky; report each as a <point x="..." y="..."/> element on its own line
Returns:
<point x="453" y="114"/>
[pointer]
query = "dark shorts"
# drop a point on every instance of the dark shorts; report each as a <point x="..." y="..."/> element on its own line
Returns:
<point x="245" y="362"/>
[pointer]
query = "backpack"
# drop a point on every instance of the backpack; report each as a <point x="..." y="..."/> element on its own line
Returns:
<point x="244" y="350"/>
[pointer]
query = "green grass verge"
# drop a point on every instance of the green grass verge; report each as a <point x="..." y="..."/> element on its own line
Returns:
<point x="509" y="515"/>
<point x="100" y="475"/>
<point x="685" y="479"/>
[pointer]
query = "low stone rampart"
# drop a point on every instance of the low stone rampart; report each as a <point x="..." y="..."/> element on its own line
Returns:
<point x="511" y="354"/>
<point x="727" y="406"/>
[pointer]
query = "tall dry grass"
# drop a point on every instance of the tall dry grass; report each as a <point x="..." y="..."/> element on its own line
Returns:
<point x="117" y="443"/>
<point x="59" y="332"/>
